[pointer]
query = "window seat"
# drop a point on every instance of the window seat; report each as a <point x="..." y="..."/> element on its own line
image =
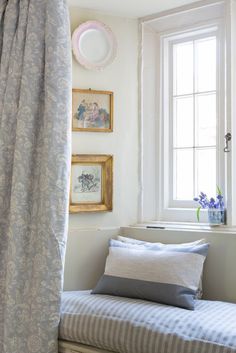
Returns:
<point x="118" y="324"/>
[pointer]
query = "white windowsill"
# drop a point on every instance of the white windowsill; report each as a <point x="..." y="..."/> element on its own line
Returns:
<point x="196" y="227"/>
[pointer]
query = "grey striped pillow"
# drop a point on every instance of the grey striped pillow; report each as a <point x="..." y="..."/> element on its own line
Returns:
<point x="165" y="275"/>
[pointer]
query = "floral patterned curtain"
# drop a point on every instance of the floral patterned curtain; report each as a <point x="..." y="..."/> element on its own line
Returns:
<point x="35" y="103"/>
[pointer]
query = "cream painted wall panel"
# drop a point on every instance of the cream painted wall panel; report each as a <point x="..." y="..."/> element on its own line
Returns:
<point x="149" y="125"/>
<point x="121" y="77"/>
<point x="86" y="254"/>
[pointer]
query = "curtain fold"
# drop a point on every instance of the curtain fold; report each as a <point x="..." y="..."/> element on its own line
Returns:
<point x="35" y="105"/>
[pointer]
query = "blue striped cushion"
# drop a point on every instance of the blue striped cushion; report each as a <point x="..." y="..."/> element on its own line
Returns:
<point x="168" y="275"/>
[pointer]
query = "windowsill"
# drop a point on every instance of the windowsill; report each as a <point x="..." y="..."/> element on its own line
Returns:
<point x="184" y="226"/>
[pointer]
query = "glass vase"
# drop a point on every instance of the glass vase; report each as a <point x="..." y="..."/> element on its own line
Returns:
<point x="216" y="216"/>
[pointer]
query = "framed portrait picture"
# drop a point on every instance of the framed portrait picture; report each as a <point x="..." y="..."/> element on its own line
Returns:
<point x="91" y="183"/>
<point x="92" y="110"/>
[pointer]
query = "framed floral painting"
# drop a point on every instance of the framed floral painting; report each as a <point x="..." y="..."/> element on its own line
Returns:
<point x="92" y="110"/>
<point x="91" y="183"/>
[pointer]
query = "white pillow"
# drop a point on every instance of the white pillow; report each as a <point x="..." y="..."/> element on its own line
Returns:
<point x="133" y="241"/>
<point x="143" y="242"/>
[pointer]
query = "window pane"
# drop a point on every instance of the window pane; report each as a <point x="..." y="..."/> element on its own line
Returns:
<point x="183" y="68"/>
<point x="205" y="105"/>
<point x="206" y="171"/>
<point x="183" y="122"/>
<point x="183" y="174"/>
<point x="205" y="64"/>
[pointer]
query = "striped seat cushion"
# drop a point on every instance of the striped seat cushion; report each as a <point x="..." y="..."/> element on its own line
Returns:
<point x="160" y="274"/>
<point x="127" y="325"/>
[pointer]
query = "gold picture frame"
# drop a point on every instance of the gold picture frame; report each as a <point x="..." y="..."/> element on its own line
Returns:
<point x="91" y="187"/>
<point x="92" y="110"/>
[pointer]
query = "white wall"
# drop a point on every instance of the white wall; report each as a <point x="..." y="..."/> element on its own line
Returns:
<point x="148" y="202"/>
<point x="121" y="77"/>
<point x="89" y="233"/>
<point x="85" y="257"/>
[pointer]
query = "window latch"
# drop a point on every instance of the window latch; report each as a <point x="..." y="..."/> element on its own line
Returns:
<point x="227" y="139"/>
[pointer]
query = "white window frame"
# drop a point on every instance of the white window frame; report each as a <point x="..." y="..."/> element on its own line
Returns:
<point x="152" y="195"/>
<point x="170" y="210"/>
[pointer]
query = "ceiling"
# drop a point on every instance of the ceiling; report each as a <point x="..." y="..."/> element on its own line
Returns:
<point x="129" y="8"/>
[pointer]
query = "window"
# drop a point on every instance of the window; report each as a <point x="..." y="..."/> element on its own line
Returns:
<point x="187" y="107"/>
<point x="193" y="116"/>
<point x="191" y="109"/>
<point x="187" y="90"/>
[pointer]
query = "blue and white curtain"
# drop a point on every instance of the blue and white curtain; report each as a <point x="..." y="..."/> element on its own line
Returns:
<point x="35" y="103"/>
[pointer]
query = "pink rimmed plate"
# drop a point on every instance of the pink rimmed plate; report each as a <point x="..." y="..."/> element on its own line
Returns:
<point x="94" y="45"/>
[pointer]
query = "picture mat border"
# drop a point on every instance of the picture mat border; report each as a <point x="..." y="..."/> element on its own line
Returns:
<point x="90" y="202"/>
<point x="106" y="161"/>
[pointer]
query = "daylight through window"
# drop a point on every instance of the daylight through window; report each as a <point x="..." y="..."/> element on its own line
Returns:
<point x="193" y="117"/>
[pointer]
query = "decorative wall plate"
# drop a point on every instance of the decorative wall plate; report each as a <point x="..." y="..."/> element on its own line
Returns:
<point x="94" y="45"/>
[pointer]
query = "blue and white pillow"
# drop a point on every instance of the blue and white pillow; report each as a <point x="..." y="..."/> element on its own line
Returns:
<point x="133" y="241"/>
<point x="168" y="275"/>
